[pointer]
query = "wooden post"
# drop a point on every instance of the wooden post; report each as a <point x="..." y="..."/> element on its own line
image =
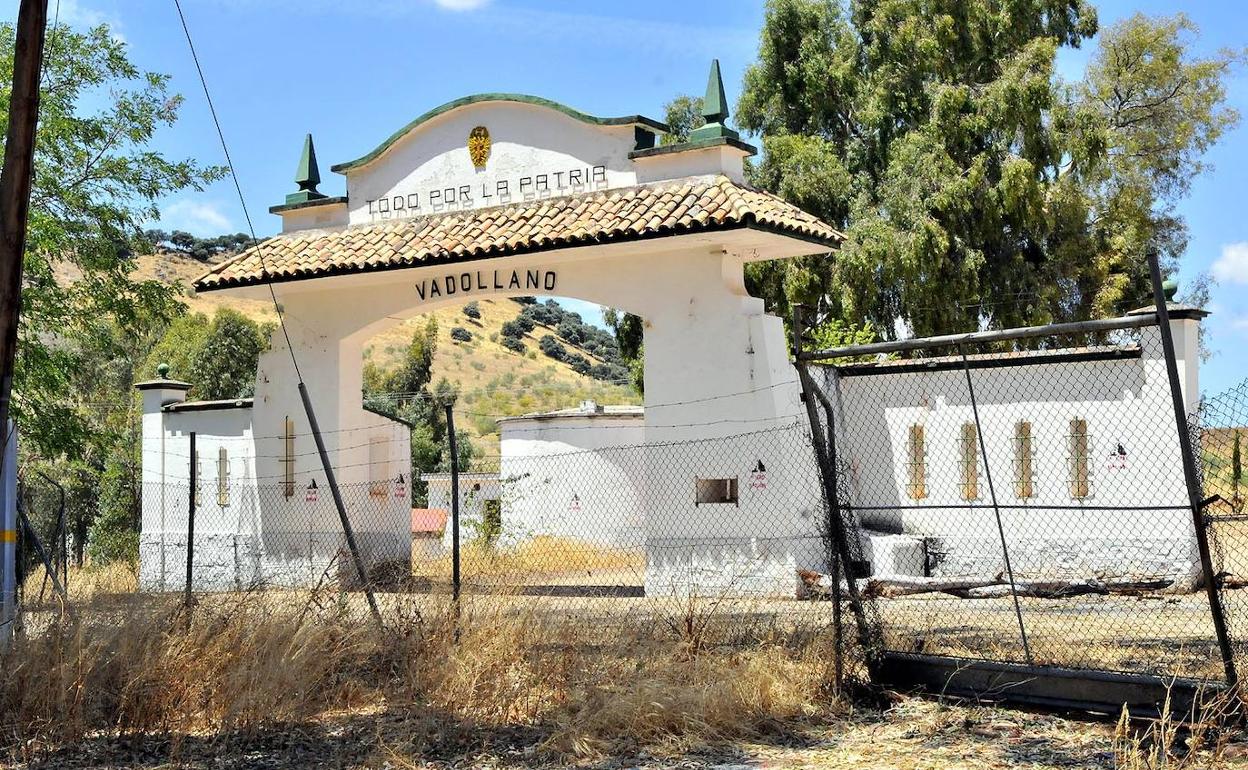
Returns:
<point x="332" y="481"/>
<point x="450" y="435"/>
<point x="831" y="495"/>
<point x="15" y="183"/>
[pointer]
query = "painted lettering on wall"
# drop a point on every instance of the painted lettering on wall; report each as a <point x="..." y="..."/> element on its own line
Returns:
<point x="470" y="281"/>
<point x="494" y="192"/>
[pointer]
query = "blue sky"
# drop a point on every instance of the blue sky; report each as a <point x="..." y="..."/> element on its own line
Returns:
<point x="352" y="72"/>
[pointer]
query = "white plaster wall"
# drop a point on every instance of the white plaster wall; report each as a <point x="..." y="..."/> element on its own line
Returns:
<point x="1051" y="533"/>
<point x="227" y="552"/>
<point x="580" y="478"/>
<point x="255" y="535"/>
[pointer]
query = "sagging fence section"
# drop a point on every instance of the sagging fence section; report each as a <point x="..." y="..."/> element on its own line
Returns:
<point x="1020" y="496"/>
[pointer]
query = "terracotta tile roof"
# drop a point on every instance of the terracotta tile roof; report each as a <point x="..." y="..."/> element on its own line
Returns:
<point x="673" y="207"/>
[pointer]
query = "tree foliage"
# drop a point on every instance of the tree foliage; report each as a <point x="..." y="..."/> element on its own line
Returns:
<point x="629" y="338"/>
<point x="97" y="181"/>
<point x="973" y="185"/>
<point x="217" y="356"/>
<point x="203" y="249"/>
<point x="682" y="115"/>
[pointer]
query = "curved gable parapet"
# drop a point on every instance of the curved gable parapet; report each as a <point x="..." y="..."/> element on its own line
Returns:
<point x="628" y="120"/>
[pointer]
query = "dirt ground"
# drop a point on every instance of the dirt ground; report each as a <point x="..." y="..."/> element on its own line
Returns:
<point x="910" y="734"/>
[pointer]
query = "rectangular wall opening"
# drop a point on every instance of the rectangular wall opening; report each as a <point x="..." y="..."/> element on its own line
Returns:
<point x="716" y="491"/>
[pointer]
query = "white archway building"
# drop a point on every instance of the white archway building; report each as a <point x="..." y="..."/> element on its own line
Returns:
<point x="514" y="195"/>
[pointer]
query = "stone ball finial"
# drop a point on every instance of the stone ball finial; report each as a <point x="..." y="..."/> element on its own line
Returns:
<point x="1169" y="288"/>
<point x="163" y="371"/>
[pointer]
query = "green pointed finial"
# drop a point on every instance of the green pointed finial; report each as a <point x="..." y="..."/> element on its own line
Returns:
<point x="307" y="176"/>
<point x="715" y="104"/>
<point x="714" y="109"/>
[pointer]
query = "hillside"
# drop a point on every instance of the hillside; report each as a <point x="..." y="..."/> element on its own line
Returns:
<point x="493" y="381"/>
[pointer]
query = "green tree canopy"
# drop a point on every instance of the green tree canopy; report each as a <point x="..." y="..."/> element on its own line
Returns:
<point x="972" y="184"/>
<point x="218" y="356"/>
<point x="97" y="181"/>
<point x="682" y="115"/>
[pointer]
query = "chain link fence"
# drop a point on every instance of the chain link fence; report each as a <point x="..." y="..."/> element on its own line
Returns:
<point x="710" y="541"/>
<point x="1019" y="501"/>
<point x="1024" y="501"/>
<point x="1220" y="429"/>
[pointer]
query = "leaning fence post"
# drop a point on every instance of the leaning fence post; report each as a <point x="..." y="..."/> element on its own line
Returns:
<point x="1191" y="477"/>
<point x="332" y="480"/>
<point x="831" y="495"/>
<point x="996" y="508"/>
<point x="190" y="520"/>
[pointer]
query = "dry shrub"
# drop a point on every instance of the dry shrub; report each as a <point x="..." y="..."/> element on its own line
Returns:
<point x="249" y="661"/>
<point x="1180" y="741"/>
<point x="674" y="704"/>
<point x="505" y="669"/>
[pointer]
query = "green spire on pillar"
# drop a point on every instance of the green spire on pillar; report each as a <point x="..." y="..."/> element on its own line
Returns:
<point x="714" y="109"/>
<point x="307" y="176"/>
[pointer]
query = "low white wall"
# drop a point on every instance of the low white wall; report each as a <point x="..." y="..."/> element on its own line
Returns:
<point x="575" y="477"/>
<point x="1134" y="523"/>
<point x="248" y="533"/>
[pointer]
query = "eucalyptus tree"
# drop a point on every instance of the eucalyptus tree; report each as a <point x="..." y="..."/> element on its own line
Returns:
<point x="973" y="184"/>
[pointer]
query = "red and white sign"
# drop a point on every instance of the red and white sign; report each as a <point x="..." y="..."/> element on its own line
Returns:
<point x="758" y="476"/>
<point x="311" y="494"/>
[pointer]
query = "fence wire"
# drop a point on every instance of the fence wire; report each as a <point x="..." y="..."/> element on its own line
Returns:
<point x="1220" y="430"/>
<point x="710" y="541"/>
<point x="1021" y="502"/>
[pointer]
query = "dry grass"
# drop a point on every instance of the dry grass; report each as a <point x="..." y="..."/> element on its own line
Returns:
<point x="1181" y="741"/>
<point x="303" y="679"/>
<point x="86" y="584"/>
<point x="257" y="661"/>
<point x="542" y="558"/>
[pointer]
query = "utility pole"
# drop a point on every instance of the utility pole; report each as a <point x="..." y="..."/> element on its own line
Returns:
<point x="15" y="182"/>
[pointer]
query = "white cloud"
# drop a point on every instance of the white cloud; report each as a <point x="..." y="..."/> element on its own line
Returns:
<point x="73" y="13"/>
<point x="199" y="218"/>
<point x="1232" y="266"/>
<point x="461" y="5"/>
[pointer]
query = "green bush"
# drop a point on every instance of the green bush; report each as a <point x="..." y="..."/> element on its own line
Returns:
<point x="114" y="535"/>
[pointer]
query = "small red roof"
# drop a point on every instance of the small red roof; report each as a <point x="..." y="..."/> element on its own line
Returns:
<point x="428" y="520"/>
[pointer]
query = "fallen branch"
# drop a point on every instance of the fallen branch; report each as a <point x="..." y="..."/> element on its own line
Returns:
<point x="818" y="585"/>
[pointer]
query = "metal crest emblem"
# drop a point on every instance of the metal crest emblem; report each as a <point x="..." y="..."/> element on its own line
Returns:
<point x="479" y="146"/>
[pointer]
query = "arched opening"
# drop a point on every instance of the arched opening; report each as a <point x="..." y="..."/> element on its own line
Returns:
<point x="495" y="358"/>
